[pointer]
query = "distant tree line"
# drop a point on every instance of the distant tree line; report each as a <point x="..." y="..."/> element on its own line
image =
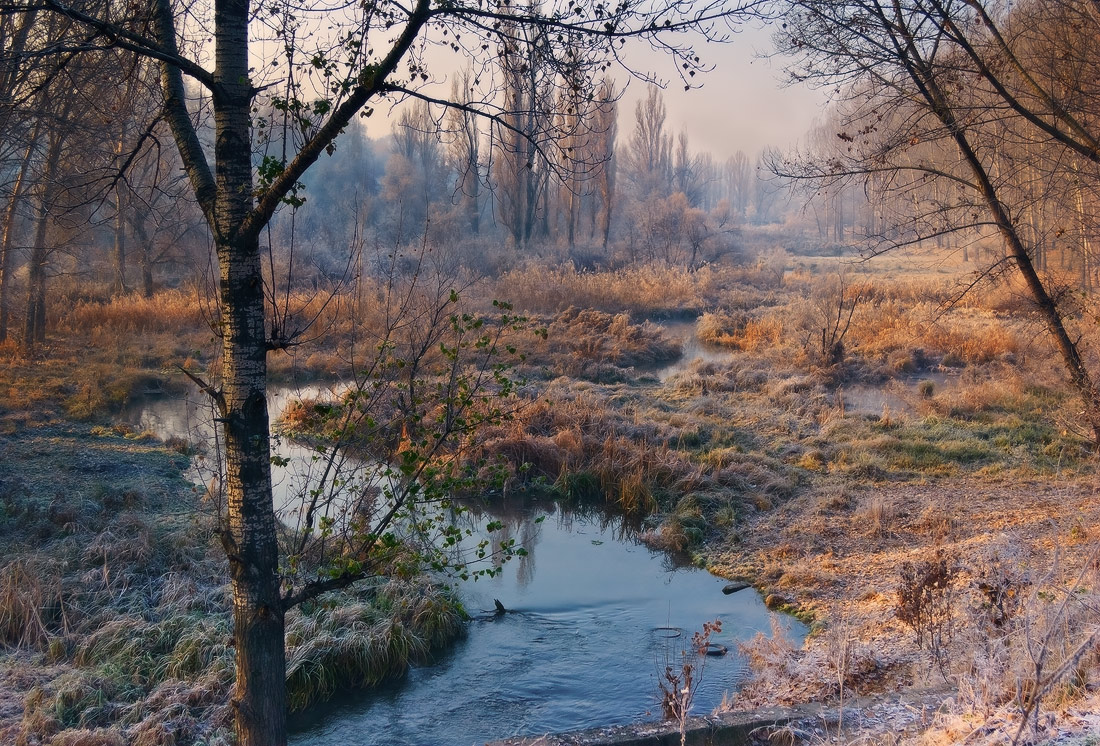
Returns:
<point x="601" y="194"/>
<point x="93" y="192"/>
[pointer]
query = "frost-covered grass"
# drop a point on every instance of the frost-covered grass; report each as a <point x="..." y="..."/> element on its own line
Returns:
<point x="114" y="602"/>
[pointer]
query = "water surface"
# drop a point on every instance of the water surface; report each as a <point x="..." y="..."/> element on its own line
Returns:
<point x="582" y="644"/>
<point x="693" y="348"/>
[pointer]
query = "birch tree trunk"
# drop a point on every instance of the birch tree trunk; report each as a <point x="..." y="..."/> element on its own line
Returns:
<point x="249" y="536"/>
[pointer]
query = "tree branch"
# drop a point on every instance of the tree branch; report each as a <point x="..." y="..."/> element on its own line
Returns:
<point x="179" y="119"/>
<point x="129" y="40"/>
<point x="373" y="80"/>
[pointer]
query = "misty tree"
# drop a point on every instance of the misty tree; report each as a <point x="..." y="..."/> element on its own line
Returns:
<point x="689" y="174"/>
<point x="647" y="158"/>
<point x="321" y="76"/>
<point x="68" y="152"/>
<point x="521" y="165"/>
<point x="737" y="180"/>
<point x="585" y="175"/>
<point x="606" y="127"/>
<point x="342" y="207"/>
<point x="415" y="180"/>
<point x="464" y="150"/>
<point x="20" y="129"/>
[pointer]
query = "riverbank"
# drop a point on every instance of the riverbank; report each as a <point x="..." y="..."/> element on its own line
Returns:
<point x="113" y="604"/>
<point x="114" y="601"/>
<point x="1009" y="631"/>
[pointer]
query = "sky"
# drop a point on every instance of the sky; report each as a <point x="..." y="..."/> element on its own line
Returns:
<point x="742" y="103"/>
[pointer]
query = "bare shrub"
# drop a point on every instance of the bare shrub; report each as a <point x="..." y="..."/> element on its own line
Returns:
<point x="833" y="306"/>
<point x="1060" y="629"/>
<point x="1030" y="644"/>
<point x="926" y="603"/>
<point x="678" y="686"/>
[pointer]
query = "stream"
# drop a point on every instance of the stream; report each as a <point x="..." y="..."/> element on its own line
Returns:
<point x="693" y="349"/>
<point x="593" y="617"/>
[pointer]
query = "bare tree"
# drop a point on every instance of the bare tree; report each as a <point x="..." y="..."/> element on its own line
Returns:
<point x="379" y="53"/>
<point x="914" y="115"/>
<point x="606" y="127"/>
<point x="465" y="150"/>
<point x="739" y="176"/>
<point x="21" y="95"/>
<point x="647" y="159"/>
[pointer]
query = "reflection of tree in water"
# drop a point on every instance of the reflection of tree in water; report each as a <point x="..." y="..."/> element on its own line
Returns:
<point x="515" y="518"/>
<point x="528" y="537"/>
<point x="520" y="518"/>
<point x="624" y="528"/>
<point x="499" y="542"/>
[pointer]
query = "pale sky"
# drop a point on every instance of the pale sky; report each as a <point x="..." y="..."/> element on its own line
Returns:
<point x="741" y="105"/>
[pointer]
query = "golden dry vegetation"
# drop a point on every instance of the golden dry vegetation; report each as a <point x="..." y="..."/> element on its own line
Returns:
<point x="846" y="419"/>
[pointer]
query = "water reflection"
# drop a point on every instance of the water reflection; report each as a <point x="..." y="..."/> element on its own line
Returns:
<point x="580" y="647"/>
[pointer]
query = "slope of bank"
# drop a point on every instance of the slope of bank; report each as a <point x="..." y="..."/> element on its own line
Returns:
<point x="115" y="623"/>
<point x="980" y="593"/>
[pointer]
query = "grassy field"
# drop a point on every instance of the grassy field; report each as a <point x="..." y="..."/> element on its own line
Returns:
<point x="855" y="417"/>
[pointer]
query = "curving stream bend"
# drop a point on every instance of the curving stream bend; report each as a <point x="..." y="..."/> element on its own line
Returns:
<point x="579" y="647"/>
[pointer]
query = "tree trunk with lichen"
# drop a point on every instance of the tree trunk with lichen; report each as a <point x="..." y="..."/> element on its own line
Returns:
<point x="249" y="533"/>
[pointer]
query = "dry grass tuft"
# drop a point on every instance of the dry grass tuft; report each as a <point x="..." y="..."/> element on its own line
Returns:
<point x="878" y="516"/>
<point x="581" y="342"/>
<point x="85" y="737"/>
<point x="359" y="643"/>
<point x="31" y="602"/>
<point x="169" y="311"/>
<point x="742" y="331"/>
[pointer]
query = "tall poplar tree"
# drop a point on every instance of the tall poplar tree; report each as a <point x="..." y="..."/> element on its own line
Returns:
<point x="319" y="65"/>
